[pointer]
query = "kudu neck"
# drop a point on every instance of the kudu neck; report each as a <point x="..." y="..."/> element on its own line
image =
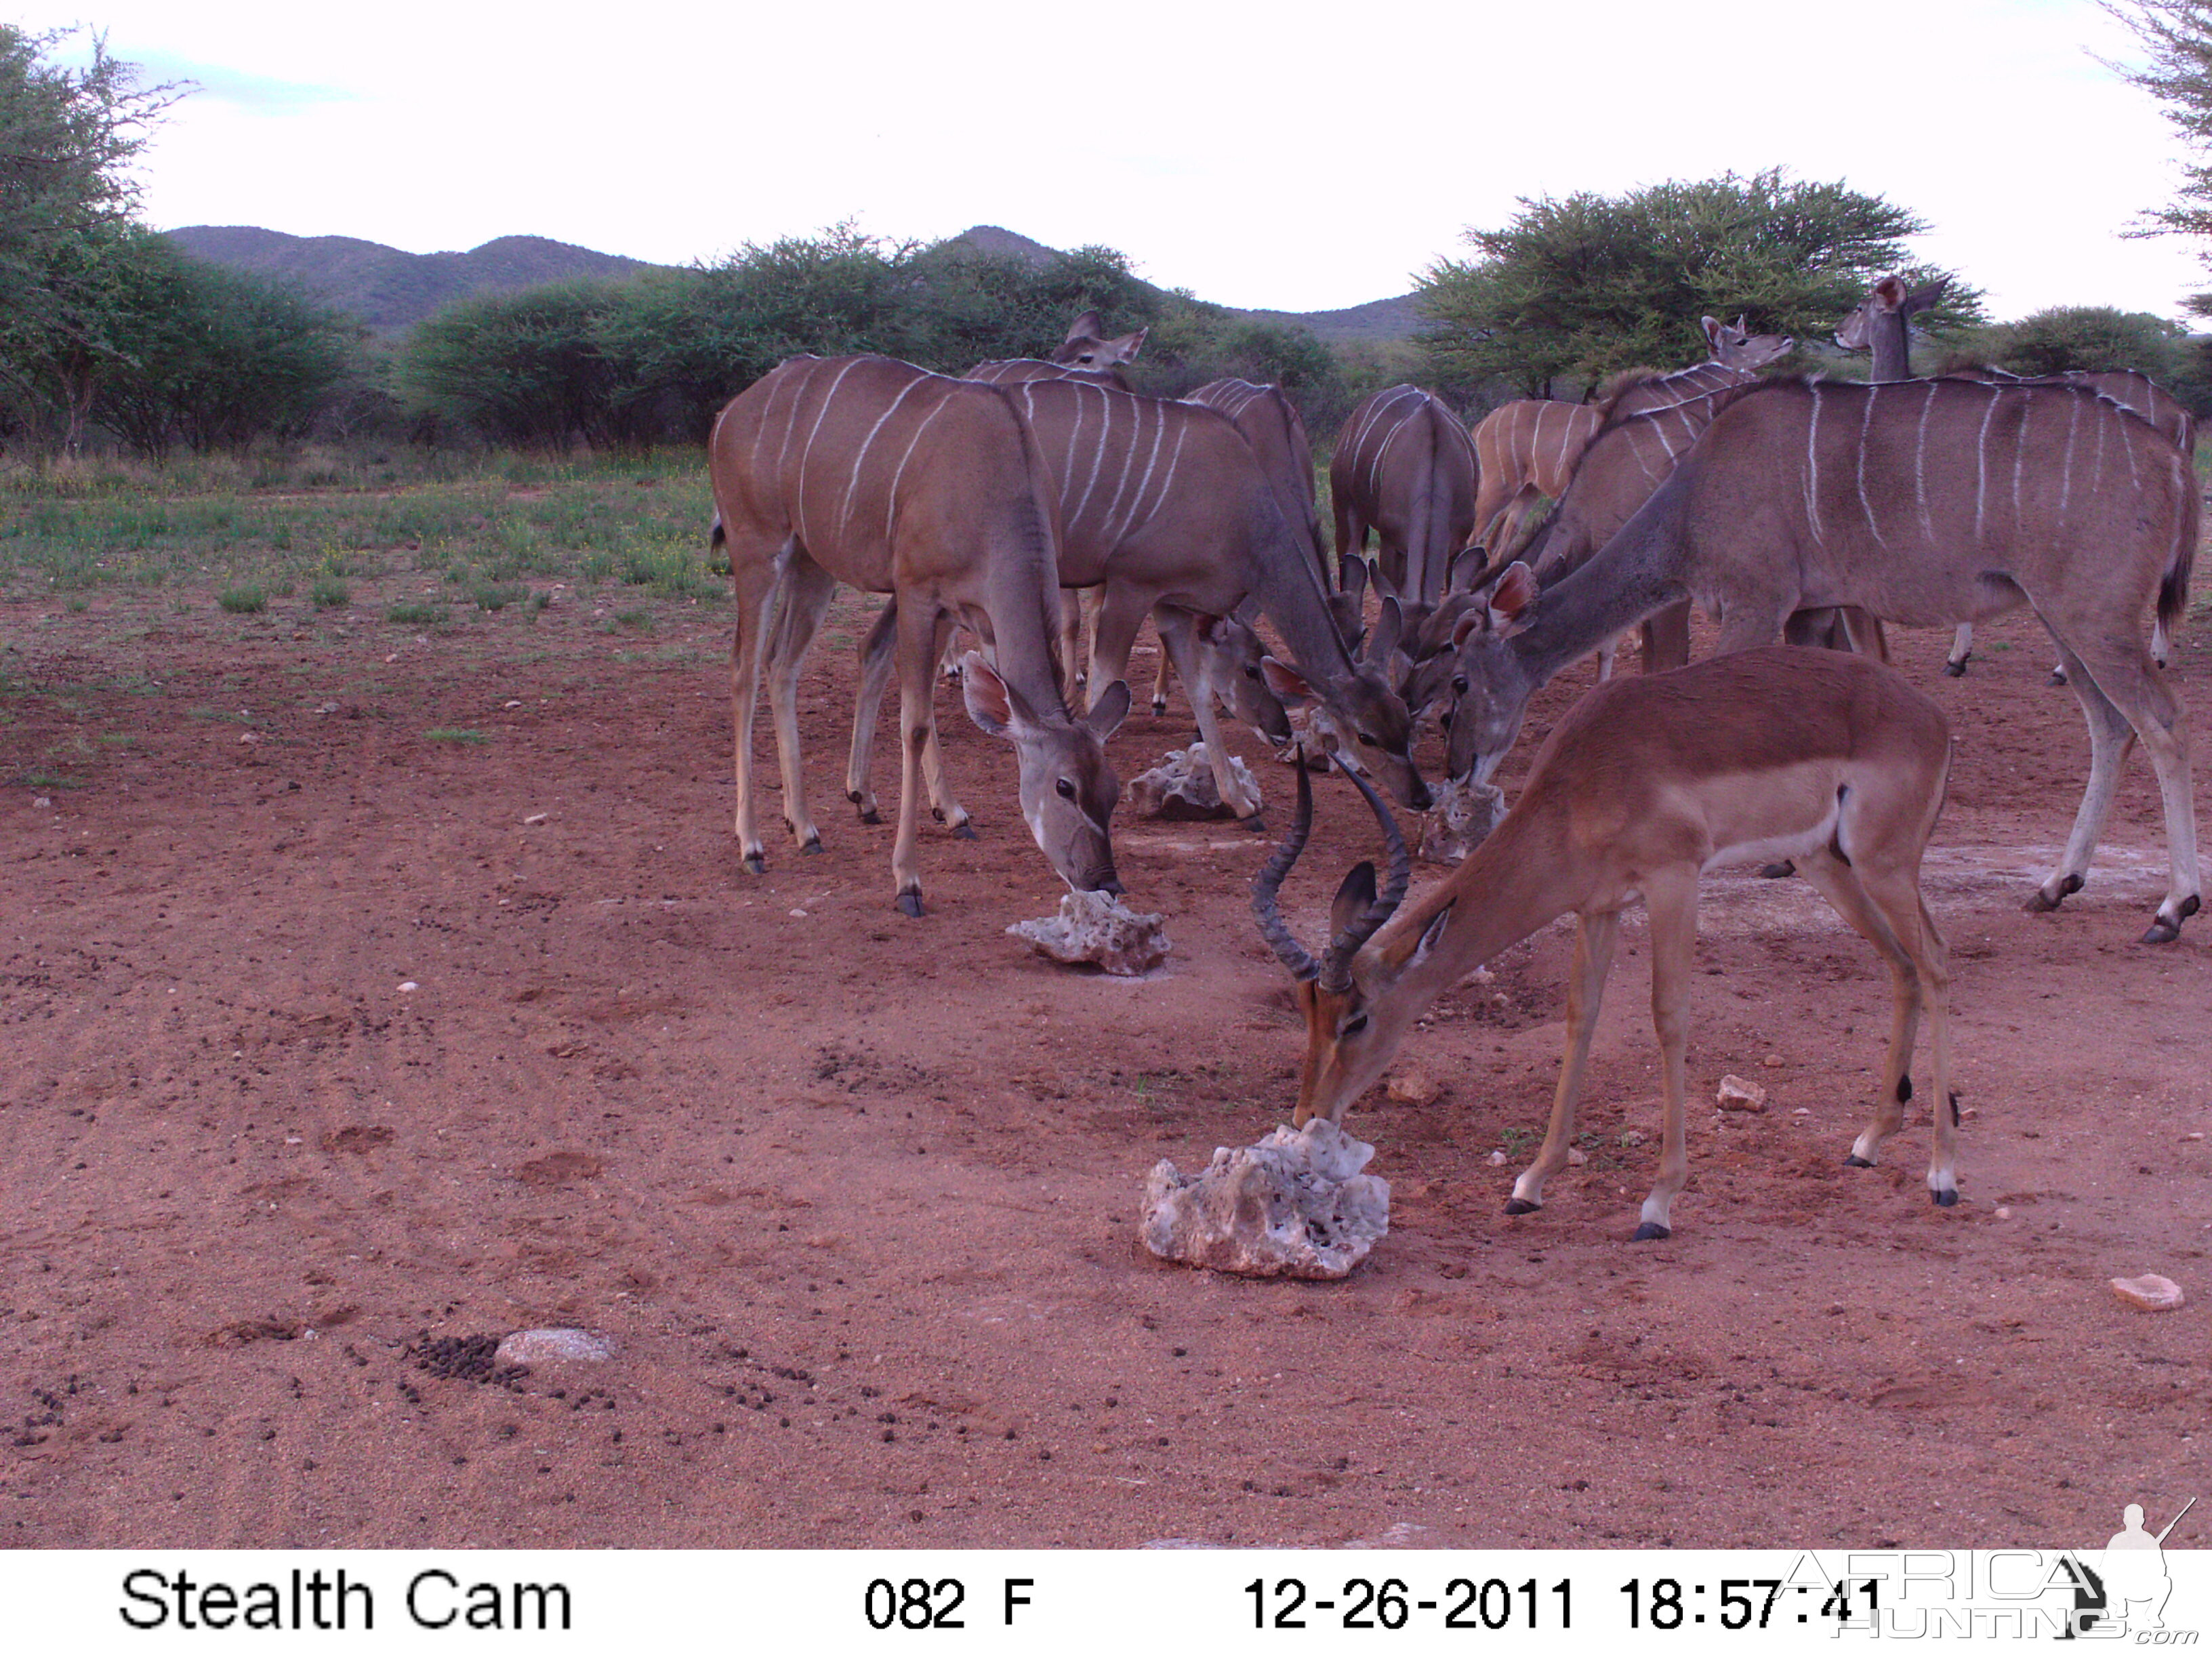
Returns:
<point x="1891" y="344"/>
<point x="1635" y="573"/>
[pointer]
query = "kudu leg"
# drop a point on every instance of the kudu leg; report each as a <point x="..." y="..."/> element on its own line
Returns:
<point x="2111" y="737"/>
<point x="1962" y="647"/>
<point x="878" y="654"/>
<point x="1595" y="939"/>
<point x="918" y="636"/>
<point x="1119" y="617"/>
<point x="1666" y="638"/>
<point x="807" y="589"/>
<point x="942" y="806"/>
<point x="753" y="583"/>
<point x="1670" y="899"/>
<point x="1179" y="635"/>
<point x="1072" y="604"/>
<point x="2140" y="694"/>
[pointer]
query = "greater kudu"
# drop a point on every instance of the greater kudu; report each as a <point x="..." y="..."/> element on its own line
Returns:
<point x="1528" y="450"/>
<point x="1405" y="467"/>
<point x="1165" y="505"/>
<point x="1643" y="786"/>
<point x="1928" y="502"/>
<point x="895" y="481"/>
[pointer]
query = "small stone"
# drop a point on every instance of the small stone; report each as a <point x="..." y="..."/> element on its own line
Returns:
<point x="407" y="985"/>
<point x="1737" y="1095"/>
<point x="538" y="818"/>
<point x="511" y="702"/>
<point x="2194" y="1134"/>
<point x="799" y="914"/>
<point x="1801" y="1111"/>
<point x="42" y="800"/>
<point x="2149" y="1293"/>
<point x="1181" y="789"/>
<point x="1576" y="1155"/>
<point x="2003" y="1212"/>
<point x="1294" y="1206"/>
<point x="326" y="708"/>
<point x="1098" y="927"/>
<point x="547" y="1346"/>
<point x="1628" y="1138"/>
<point x="1497" y="1160"/>
<point x="1772" y="1061"/>
<point x="1464" y="815"/>
<point x="249" y="737"/>
<point x="1414" y="1088"/>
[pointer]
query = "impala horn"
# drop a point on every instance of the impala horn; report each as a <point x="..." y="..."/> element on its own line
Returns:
<point x="1334" y="970"/>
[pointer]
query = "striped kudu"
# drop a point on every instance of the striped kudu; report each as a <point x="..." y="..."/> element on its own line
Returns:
<point x="1165" y="503"/>
<point x="1528" y="449"/>
<point x="1405" y="467"/>
<point x="1927" y="503"/>
<point x="876" y="473"/>
<point x="1643" y="786"/>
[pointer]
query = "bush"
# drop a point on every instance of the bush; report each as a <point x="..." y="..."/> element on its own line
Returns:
<point x="246" y="601"/>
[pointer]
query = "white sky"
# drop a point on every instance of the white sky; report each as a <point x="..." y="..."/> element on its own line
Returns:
<point x="1292" y="155"/>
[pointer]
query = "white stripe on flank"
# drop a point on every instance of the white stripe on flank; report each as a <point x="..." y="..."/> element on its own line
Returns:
<point x="2066" y="470"/>
<point x="2128" y="450"/>
<point x="1982" y="458"/>
<point x="1167" y="483"/>
<point x="1151" y="459"/>
<point x="1097" y="456"/>
<point x="1659" y="430"/>
<point x="1866" y="505"/>
<point x="1657" y="475"/>
<point x="798" y="489"/>
<point x="791" y="420"/>
<point x="1560" y="468"/>
<point x="1128" y="460"/>
<point x="1813" y="465"/>
<point x="1381" y="401"/>
<point x="1920" y="466"/>
<point x="890" y="495"/>
<point x="844" y="514"/>
<point x="2019" y="457"/>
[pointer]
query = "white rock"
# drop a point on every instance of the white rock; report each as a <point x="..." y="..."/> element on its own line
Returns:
<point x="542" y="1348"/>
<point x="1414" y="1088"/>
<point x="406" y="985"/>
<point x="1098" y="927"/>
<point x="1180" y="787"/>
<point x="2149" y="1293"/>
<point x="1576" y="1155"/>
<point x="1735" y="1094"/>
<point x="1295" y="1206"/>
<point x="1497" y="1160"/>
<point x="1464" y="813"/>
<point x="42" y="800"/>
<point x="538" y="818"/>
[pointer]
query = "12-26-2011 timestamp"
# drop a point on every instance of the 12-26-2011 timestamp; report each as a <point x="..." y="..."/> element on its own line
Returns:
<point x="1466" y="1603"/>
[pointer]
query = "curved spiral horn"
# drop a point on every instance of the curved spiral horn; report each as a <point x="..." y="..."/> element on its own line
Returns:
<point x="1269" y="882"/>
<point x="1336" y="966"/>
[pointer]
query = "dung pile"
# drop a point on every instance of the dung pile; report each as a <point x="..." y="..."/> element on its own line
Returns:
<point x="1295" y="1206"/>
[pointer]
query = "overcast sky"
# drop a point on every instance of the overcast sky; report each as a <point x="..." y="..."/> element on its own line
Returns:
<point x="1290" y="155"/>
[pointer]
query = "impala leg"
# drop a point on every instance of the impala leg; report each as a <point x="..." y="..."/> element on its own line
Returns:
<point x="1876" y="923"/>
<point x="2111" y="737"/>
<point x="1595" y="938"/>
<point x="1670" y="899"/>
<point x="877" y="653"/>
<point x="753" y="583"/>
<point x="946" y="810"/>
<point x="918" y="635"/>
<point x="807" y="590"/>
<point x="1962" y="646"/>
<point x="1179" y="635"/>
<point x="2142" y="697"/>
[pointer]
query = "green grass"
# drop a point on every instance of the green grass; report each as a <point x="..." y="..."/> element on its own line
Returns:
<point x="454" y="734"/>
<point x="330" y="594"/>
<point x="498" y="596"/>
<point x="415" y="616"/>
<point x="246" y="601"/>
<point x="39" y="778"/>
<point x="634" y="619"/>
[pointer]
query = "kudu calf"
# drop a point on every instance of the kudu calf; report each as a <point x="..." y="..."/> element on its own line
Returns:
<point x="1645" y="785"/>
<point x="1405" y="467"/>
<point x="895" y="481"/>
<point x="1530" y="449"/>
<point x="1927" y="503"/>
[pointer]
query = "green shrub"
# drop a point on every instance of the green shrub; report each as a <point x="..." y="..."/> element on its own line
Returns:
<point x="415" y="616"/>
<point x="244" y="601"/>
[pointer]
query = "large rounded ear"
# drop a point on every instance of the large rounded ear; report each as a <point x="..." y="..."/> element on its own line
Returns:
<point x="1123" y="350"/>
<point x="1711" y="325"/>
<point x="1474" y="617"/>
<point x="1106" y="714"/>
<point x="1352" y="576"/>
<point x="991" y="701"/>
<point x="1292" y="688"/>
<point x="1389" y="627"/>
<point x="1088" y="326"/>
<point x="1511" y="593"/>
<point x="1889" y="293"/>
<point x="1466" y="564"/>
<point x="1352" y="898"/>
<point x="1213" y="631"/>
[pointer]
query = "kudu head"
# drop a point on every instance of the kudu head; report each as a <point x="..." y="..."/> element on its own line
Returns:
<point x="1489" y="683"/>
<point x="1733" y="346"/>
<point x="1359" y="714"/>
<point x="1233" y="654"/>
<point x="1352" y="1029"/>
<point x="1068" y="789"/>
<point x="1888" y="298"/>
<point x="1084" y="349"/>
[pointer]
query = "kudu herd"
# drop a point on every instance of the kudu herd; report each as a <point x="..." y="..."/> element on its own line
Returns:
<point x="1808" y="509"/>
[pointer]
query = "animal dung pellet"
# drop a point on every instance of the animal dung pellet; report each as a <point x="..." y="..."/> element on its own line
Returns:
<point x="1098" y="928"/>
<point x="1414" y="1088"/>
<point x="1295" y="1206"/>
<point x="1738" y="1095"/>
<point x="1464" y="813"/>
<point x="2149" y="1293"/>
<point x="547" y="1346"/>
<point x="1181" y="788"/>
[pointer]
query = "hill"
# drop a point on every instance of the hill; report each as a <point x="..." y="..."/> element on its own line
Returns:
<point x="386" y="287"/>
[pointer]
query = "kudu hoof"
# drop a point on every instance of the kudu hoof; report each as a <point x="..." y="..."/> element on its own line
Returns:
<point x="1521" y="1206"/>
<point x="963" y="830"/>
<point x="910" y="903"/>
<point x="2058" y="677"/>
<point x="1854" y="1162"/>
<point x="755" y="864"/>
<point x="2041" y="902"/>
<point x="812" y="844"/>
<point x="869" y="815"/>
<point x="1948" y="1199"/>
<point x="936" y="813"/>
<point x="1778" y="871"/>
<point x="1159" y="706"/>
<point x="1649" y="1230"/>
<point x="1955" y="670"/>
<point x="2165" y="932"/>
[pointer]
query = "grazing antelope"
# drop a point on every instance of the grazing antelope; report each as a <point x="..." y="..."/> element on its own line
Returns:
<point x="1530" y="449"/>
<point x="1645" y="785"/>
<point x="876" y="473"/>
<point x="1926" y="502"/>
<point x="1165" y="503"/>
<point x="1404" y="466"/>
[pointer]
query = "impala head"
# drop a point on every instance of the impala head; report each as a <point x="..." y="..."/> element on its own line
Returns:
<point x="1367" y="727"/>
<point x="1068" y="789"/>
<point x="1084" y="349"/>
<point x="1490" y="685"/>
<point x="1734" y="346"/>
<point x="1233" y="655"/>
<point x="1353" y="1025"/>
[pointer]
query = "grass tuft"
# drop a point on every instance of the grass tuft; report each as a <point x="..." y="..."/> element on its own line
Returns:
<point x="246" y="601"/>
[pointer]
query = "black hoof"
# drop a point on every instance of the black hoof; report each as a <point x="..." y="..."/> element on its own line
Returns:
<point x="1521" y="1206"/>
<point x="2058" y="677"/>
<point x="2161" y="932"/>
<point x="1649" y="1230"/>
<point x="869" y="815"/>
<point x="2042" y="903"/>
<point x="936" y="813"/>
<point x="757" y="864"/>
<point x="1854" y="1162"/>
<point x="910" y="903"/>
<point x="813" y="844"/>
<point x="1159" y="706"/>
<point x="964" y="831"/>
<point x="1947" y="1199"/>
<point x="1257" y="824"/>
<point x="1955" y="670"/>
<point x="1778" y="871"/>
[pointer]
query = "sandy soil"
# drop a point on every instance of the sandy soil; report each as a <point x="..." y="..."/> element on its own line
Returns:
<point x="857" y="1195"/>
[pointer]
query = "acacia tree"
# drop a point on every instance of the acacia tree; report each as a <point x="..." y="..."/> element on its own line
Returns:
<point x="2176" y="37"/>
<point x="1582" y="286"/>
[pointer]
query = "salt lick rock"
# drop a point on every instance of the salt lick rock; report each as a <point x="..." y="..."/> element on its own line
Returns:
<point x="1180" y="787"/>
<point x="2150" y="1292"/>
<point x="1098" y="927"/>
<point x="1295" y="1206"/>
<point x="542" y="1348"/>
<point x="1464" y="813"/>
<point x="1738" y="1094"/>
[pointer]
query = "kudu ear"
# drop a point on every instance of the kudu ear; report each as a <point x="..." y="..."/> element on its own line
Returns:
<point x="1511" y="593"/>
<point x="1352" y="898"/>
<point x="1921" y="298"/>
<point x="991" y="701"/>
<point x="1213" y="631"/>
<point x="1389" y="628"/>
<point x="1106" y="714"/>
<point x="1889" y="293"/>
<point x="1466" y="564"/>
<point x="1292" y="688"/>
<point x="1352" y="577"/>
<point x="1088" y="326"/>
<point x="1711" y="325"/>
<point x="1123" y="350"/>
<point x="1475" y="617"/>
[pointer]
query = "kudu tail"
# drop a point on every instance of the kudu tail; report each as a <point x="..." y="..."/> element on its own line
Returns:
<point x="2174" y="587"/>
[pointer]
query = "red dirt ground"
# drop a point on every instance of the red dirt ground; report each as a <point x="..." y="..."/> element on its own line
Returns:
<point x="857" y="1195"/>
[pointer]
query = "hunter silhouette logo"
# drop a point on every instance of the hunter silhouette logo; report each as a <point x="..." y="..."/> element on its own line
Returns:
<point x="2127" y="1590"/>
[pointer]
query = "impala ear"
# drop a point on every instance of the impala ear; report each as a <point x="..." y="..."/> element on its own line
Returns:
<point x="1511" y="594"/>
<point x="1085" y="327"/>
<point x="991" y="701"/>
<point x="1122" y="351"/>
<point x="1431" y="936"/>
<point x="1106" y="714"/>
<point x="1292" y="688"/>
<point x="1352" y="898"/>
